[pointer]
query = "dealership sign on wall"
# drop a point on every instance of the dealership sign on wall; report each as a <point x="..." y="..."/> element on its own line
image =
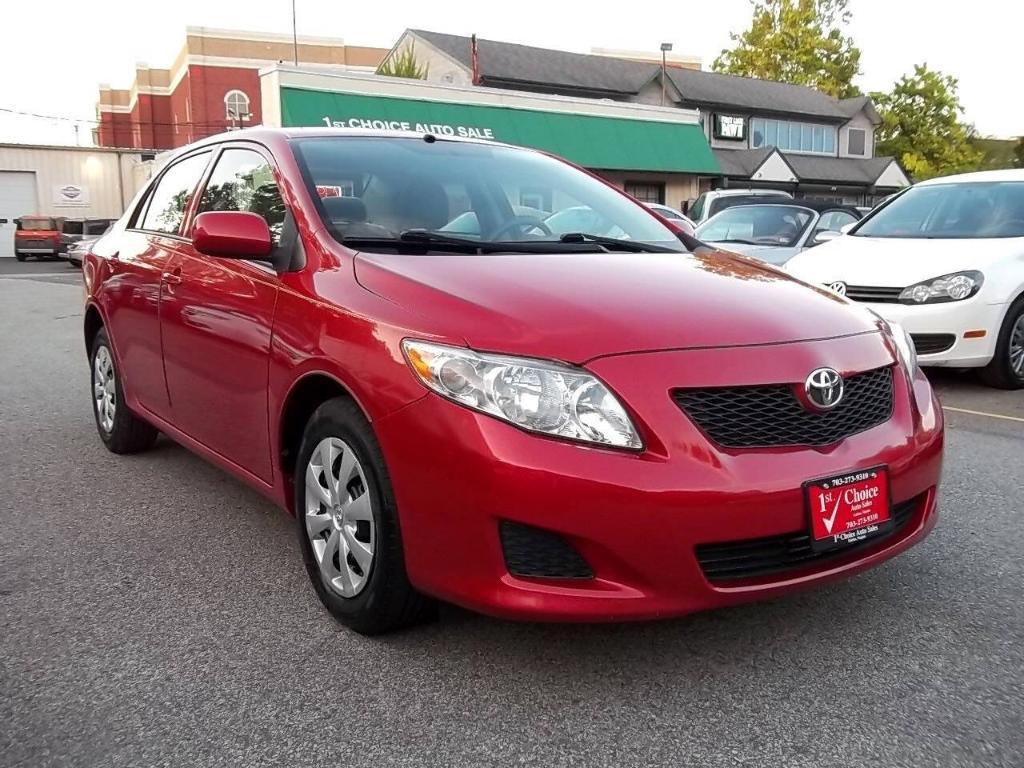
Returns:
<point x="439" y="129"/>
<point x="593" y="141"/>
<point x="70" y="196"/>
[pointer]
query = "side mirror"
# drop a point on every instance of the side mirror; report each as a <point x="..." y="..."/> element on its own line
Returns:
<point x="824" y="236"/>
<point x="232" y="235"/>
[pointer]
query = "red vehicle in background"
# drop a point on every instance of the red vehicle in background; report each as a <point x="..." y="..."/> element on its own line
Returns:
<point x="38" y="236"/>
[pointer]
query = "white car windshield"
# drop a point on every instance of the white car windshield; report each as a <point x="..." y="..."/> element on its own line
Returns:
<point x="951" y="211"/>
<point x="404" y="189"/>
<point x="775" y="225"/>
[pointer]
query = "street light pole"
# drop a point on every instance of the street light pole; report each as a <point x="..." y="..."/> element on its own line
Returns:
<point x="665" y="48"/>
<point x="295" y="37"/>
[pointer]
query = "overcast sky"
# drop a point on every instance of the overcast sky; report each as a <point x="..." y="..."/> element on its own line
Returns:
<point x="54" y="53"/>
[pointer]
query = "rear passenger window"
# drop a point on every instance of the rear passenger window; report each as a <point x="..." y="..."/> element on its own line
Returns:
<point x="244" y="181"/>
<point x="170" y="198"/>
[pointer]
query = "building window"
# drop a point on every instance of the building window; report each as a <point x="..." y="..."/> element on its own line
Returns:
<point x="855" y="141"/>
<point x="646" y="191"/>
<point x="236" y="106"/>
<point x="792" y="136"/>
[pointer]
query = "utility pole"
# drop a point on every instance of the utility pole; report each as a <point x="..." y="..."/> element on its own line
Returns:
<point x="295" y="37"/>
<point x="665" y="48"/>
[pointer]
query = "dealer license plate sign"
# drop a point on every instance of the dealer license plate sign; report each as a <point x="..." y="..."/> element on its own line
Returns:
<point x="847" y="509"/>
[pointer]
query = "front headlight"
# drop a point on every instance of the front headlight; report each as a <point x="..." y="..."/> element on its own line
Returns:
<point x="540" y="396"/>
<point x="954" y="287"/>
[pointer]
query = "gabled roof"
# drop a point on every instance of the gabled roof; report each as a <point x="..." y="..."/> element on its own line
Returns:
<point x="741" y="162"/>
<point x="510" y="64"/>
<point x="855" y="104"/>
<point x="505" y="63"/>
<point x="744" y="163"/>
<point x="838" y="169"/>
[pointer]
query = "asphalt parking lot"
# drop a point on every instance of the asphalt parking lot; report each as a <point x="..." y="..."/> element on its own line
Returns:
<point x="153" y="611"/>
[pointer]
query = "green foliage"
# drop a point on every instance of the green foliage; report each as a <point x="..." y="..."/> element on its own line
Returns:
<point x="996" y="153"/>
<point x="403" y="64"/>
<point x="799" y="42"/>
<point x="921" y="125"/>
<point x="1018" y="153"/>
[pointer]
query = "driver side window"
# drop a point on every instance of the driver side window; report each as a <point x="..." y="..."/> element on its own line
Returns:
<point x="243" y="180"/>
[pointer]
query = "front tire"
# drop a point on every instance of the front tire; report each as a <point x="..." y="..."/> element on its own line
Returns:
<point x="1006" y="371"/>
<point x="120" y="429"/>
<point x="347" y="524"/>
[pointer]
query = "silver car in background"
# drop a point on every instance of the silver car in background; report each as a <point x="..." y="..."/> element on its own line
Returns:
<point x="776" y="232"/>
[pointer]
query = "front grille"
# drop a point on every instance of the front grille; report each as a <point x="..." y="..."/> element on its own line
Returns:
<point x="873" y="293"/>
<point x="932" y="343"/>
<point x="542" y="554"/>
<point x="771" y="415"/>
<point x="751" y="558"/>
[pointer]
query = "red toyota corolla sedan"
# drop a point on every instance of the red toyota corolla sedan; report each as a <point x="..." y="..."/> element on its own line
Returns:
<point x="477" y="373"/>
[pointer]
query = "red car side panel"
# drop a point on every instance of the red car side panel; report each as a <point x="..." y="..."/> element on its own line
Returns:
<point x="130" y="295"/>
<point x="216" y="319"/>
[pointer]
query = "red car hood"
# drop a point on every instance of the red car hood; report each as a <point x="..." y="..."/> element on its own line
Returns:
<point x="576" y="307"/>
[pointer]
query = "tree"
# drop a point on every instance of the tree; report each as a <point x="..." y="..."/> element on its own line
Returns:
<point x="799" y="42"/>
<point x="921" y="125"/>
<point x="1018" y="153"/>
<point x="403" y="64"/>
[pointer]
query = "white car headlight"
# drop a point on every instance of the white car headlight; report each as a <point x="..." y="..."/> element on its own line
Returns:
<point x="536" y="395"/>
<point x="953" y="287"/>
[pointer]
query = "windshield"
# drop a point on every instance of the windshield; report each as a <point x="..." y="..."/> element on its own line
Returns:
<point x="36" y="223"/>
<point x="382" y="187"/>
<point x="776" y="225"/>
<point x="951" y="211"/>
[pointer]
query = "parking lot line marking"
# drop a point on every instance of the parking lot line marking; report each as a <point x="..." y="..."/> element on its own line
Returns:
<point x="983" y="413"/>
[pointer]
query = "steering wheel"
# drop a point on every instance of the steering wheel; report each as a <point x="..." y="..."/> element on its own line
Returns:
<point x="522" y="225"/>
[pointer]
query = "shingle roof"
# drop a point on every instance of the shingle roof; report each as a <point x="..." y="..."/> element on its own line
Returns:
<point x="713" y="88"/>
<point x="526" y="64"/>
<point x="742" y="163"/>
<point x="855" y="104"/>
<point x="838" y="169"/>
<point x="507" y="63"/>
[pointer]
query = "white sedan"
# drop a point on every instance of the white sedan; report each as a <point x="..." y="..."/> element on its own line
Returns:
<point x="944" y="259"/>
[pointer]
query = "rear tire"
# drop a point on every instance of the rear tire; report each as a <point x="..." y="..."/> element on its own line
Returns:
<point x="20" y="256"/>
<point x="344" y="507"/>
<point x="1006" y="371"/>
<point x="120" y="429"/>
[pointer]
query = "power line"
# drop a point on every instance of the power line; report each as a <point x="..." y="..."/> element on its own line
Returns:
<point x="119" y="123"/>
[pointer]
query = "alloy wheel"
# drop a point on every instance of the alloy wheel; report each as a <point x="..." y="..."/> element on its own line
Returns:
<point x="339" y="517"/>
<point x="1017" y="348"/>
<point x="104" y="388"/>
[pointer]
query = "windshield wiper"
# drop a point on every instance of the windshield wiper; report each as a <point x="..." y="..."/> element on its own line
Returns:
<point x="613" y="243"/>
<point x="737" y="240"/>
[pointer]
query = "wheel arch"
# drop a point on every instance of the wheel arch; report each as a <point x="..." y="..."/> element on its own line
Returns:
<point x="91" y="324"/>
<point x="307" y="393"/>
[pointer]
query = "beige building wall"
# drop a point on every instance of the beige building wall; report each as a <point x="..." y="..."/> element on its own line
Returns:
<point x="110" y="178"/>
<point x="679" y="187"/>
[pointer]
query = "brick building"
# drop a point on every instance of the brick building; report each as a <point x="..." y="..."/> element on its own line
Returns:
<point x="212" y="85"/>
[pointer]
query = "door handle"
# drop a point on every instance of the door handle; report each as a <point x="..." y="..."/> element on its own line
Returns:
<point x="171" y="278"/>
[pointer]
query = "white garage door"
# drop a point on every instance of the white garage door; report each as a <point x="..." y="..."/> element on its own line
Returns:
<point x="17" y="198"/>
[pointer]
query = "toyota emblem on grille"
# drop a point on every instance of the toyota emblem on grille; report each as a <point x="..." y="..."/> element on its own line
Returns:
<point x="838" y="287"/>
<point x="824" y="388"/>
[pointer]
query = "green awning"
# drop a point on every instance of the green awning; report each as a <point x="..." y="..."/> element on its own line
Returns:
<point x="604" y="143"/>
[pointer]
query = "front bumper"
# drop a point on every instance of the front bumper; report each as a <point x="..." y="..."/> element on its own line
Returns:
<point x="637" y="518"/>
<point x="956" y="318"/>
